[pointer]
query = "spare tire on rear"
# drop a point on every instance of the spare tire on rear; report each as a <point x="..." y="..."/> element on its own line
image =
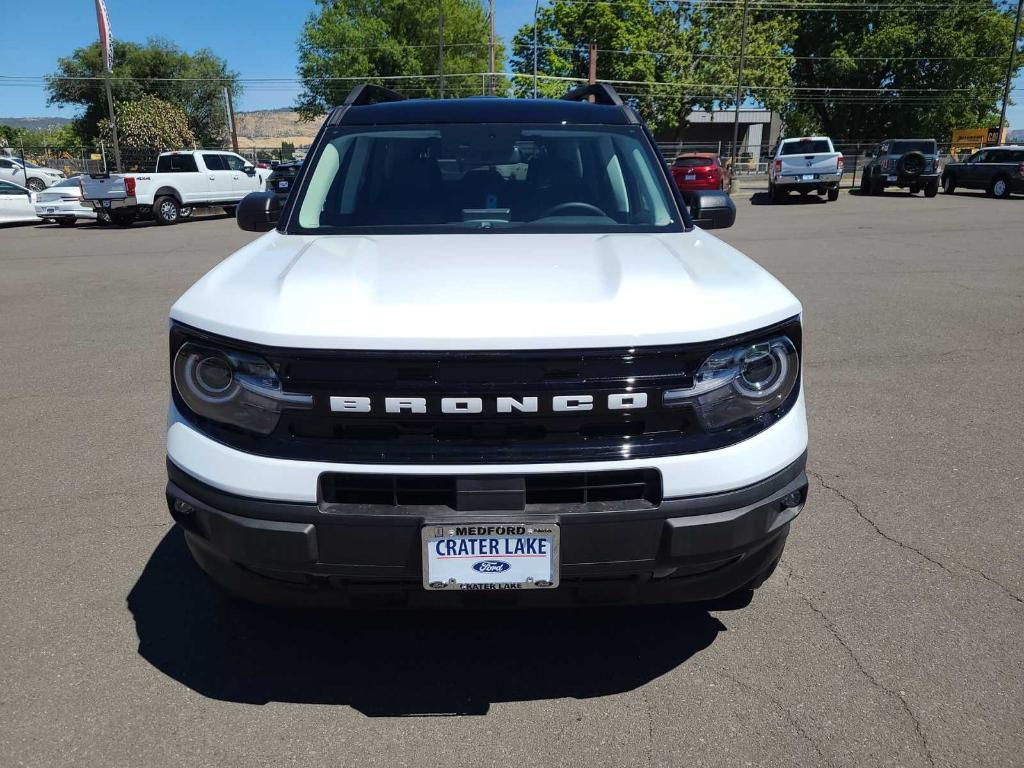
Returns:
<point x="911" y="164"/>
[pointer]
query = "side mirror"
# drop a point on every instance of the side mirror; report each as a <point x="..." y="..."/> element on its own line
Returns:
<point x="712" y="210"/>
<point x="249" y="169"/>
<point x="258" y="212"/>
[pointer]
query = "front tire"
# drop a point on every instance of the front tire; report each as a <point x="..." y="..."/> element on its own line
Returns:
<point x="36" y="185"/>
<point x="166" y="211"/>
<point x="185" y="212"/>
<point x="999" y="188"/>
<point x="949" y="184"/>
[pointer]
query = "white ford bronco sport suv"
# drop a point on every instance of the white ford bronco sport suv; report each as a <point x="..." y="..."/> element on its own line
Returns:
<point x="484" y="355"/>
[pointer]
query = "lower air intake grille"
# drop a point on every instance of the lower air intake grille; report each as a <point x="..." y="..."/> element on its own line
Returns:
<point x="562" y="491"/>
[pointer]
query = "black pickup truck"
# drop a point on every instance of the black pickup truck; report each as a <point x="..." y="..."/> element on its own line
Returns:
<point x="997" y="170"/>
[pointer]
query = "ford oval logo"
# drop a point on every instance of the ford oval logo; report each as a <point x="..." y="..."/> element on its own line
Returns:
<point x="491" y="566"/>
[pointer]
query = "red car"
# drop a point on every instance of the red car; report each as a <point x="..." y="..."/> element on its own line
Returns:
<point x="700" y="170"/>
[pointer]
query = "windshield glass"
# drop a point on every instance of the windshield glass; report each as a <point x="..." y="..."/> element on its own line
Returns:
<point x="925" y="146"/>
<point x="806" y="147"/>
<point x="473" y="177"/>
<point x="693" y="162"/>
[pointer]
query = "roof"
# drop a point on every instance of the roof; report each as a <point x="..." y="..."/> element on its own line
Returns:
<point x="483" y="110"/>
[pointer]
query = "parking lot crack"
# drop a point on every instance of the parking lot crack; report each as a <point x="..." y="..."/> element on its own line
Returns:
<point x="903" y="545"/>
<point x="784" y="711"/>
<point x="860" y="513"/>
<point x="896" y="696"/>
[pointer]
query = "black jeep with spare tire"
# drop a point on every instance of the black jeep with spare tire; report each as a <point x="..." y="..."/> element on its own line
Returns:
<point x="905" y="163"/>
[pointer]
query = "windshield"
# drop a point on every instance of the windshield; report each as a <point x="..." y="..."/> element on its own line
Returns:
<point x="473" y="177"/>
<point x="926" y="147"/>
<point x="693" y="162"/>
<point x="806" y="147"/>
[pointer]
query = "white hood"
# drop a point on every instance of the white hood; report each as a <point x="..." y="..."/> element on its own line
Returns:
<point x="484" y="292"/>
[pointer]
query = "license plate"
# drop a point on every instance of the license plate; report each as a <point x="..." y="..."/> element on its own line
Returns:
<point x="282" y="184"/>
<point x="690" y="177"/>
<point x="50" y="210"/>
<point x="490" y="556"/>
<point x="890" y="178"/>
<point x="808" y="177"/>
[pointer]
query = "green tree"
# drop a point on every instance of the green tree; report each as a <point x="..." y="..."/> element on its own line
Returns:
<point x="151" y="123"/>
<point x="689" y="49"/>
<point x="372" y="39"/>
<point x="194" y="82"/>
<point x="958" y="53"/>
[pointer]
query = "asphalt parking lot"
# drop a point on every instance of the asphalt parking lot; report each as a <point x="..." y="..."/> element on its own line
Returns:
<point x="891" y="634"/>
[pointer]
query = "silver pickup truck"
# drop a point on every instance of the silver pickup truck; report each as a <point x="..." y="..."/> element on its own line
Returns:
<point x="808" y="164"/>
<point x="182" y="181"/>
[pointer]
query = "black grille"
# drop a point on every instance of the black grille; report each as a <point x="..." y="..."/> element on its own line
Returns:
<point x="580" y="491"/>
<point x="377" y="437"/>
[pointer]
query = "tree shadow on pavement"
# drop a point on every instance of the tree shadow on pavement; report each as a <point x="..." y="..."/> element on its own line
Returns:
<point x="398" y="663"/>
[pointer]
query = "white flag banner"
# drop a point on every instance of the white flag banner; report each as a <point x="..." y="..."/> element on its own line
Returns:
<point x="106" y="39"/>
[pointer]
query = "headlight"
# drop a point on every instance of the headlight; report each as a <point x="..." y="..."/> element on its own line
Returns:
<point x="741" y="383"/>
<point x="232" y="387"/>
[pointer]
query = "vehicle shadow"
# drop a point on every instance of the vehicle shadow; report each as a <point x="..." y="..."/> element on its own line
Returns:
<point x="763" y="198"/>
<point x="398" y="663"/>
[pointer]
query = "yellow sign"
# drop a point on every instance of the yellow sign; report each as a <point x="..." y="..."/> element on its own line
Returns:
<point x="978" y="137"/>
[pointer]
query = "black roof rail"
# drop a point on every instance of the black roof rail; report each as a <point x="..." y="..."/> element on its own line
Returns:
<point x="603" y="94"/>
<point x="368" y="93"/>
<point x="362" y="96"/>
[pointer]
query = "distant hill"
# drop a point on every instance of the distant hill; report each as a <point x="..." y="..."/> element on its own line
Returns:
<point x="264" y="127"/>
<point x="35" y="123"/>
<point x="269" y="127"/>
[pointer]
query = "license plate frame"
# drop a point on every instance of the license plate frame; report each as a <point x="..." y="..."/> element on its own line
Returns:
<point x="690" y="177"/>
<point x="808" y="177"/>
<point x="502" y="565"/>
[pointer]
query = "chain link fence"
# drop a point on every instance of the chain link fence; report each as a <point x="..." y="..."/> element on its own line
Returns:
<point x="74" y="161"/>
<point x="752" y="161"/>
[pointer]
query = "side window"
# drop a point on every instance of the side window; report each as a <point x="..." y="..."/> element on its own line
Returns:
<point x="6" y="188"/>
<point x="996" y="156"/>
<point x="6" y="164"/>
<point x="177" y="164"/>
<point x="1015" y="156"/>
<point x="235" y="163"/>
<point x="214" y="162"/>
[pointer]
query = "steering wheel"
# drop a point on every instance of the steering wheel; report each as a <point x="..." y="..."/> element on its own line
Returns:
<point x="558" y="209"/>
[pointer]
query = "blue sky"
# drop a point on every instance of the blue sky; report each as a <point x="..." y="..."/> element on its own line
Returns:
<point x="257" y="37"/>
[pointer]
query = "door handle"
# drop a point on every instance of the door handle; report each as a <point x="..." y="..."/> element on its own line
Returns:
<point x="212" y="177"/>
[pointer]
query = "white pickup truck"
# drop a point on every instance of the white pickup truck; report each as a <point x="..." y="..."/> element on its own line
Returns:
<point x="808" y="164"/>
<point x="182" y="181"/>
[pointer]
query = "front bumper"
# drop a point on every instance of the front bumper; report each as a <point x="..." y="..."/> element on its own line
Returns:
<point x="685" y="549"/>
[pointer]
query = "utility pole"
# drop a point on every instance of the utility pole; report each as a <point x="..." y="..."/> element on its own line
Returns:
<point x="440" y="44"/>
<point x="490" y="54"/>
<point x="739" y="86"/>
<point x="1009" y="72"/>
<point x="231" y="118"/>
<point x="592" y="74"/>
<point x="113" y="122"/>
<point x="536" y="6"/>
